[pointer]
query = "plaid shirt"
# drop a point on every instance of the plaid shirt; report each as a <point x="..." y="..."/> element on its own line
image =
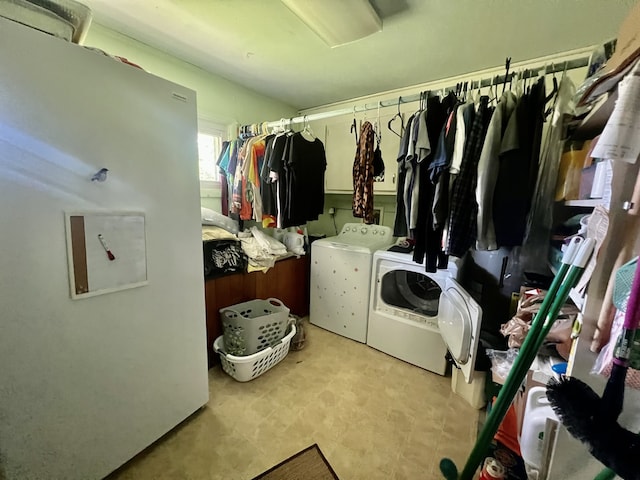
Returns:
<point x="464" y="209"/>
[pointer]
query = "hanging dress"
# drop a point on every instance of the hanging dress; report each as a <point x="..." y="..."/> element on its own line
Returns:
<point x="363" y="175"/>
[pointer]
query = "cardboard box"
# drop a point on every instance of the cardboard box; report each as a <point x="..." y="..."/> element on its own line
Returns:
<point x="627" y="51"/>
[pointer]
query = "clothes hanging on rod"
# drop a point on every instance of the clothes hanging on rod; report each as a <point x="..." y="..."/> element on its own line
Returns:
<point x="276" y="179"/>
<point x="378" y="162"/>
<point x="471" y="184"/>
<point x="518" y="171"/>
<point x="305" y="165"/>
<point x="482" y="83"/>
<point x="540" y="221"/>
<point x="474" y="184"/>
<point x="428" y="241"/>
<point x="488" y="167"/>
<point x="363" y="174"/>
<point x="464" y="209"/>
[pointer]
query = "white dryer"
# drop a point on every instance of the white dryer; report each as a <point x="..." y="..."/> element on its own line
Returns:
<point x="416" y="315"/>
<point x="341" y="278"/>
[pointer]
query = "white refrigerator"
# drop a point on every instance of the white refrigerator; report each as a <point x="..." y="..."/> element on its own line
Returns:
<point x="99" y="357"/>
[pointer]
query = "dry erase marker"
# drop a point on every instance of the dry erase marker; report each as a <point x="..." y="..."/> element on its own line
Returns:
<point x="110" y="255"/>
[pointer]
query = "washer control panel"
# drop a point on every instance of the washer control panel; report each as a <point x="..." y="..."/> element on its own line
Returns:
<point x="360" y="229"/>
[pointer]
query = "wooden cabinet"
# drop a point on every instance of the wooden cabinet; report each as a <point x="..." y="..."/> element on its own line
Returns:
<point x="287" y="281"/>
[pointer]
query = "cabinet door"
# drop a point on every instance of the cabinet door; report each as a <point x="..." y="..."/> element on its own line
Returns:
<point x="340" y="147"/>
<point x="288" y="281"/>
<point x="389" y="146"/>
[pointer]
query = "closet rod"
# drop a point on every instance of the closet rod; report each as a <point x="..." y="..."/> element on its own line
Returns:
<point x="485" y="82"/>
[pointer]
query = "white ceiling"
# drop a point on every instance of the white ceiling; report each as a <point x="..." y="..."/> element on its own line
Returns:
<point x="262" y="45"/>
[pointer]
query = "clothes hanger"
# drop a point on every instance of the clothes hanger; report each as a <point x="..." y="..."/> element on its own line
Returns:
<point x="377" y="130"/>
<point x="493" y="95"/>
<point x="507" y="65"/>
<point x="420" y="95"/>
<point x="519" y="82"/>
<point x="397" y="115"/>
<point x="424" y="96"/>
<point x="564" y="70"/>
<point x="478" y="93"/>
<point x="554" y="91"/>
<point x="354" y="125"/>
<point x="307" y="129"/>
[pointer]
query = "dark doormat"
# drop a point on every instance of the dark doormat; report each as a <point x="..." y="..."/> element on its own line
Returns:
<point x="309" y="464"/>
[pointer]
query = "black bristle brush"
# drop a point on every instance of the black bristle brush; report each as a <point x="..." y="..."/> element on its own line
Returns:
<point x="581" y="411"/>
<point x="592" y="419"/>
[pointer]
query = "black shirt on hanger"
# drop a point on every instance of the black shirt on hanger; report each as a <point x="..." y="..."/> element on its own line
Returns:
<point x="428" y="242"/>
<point x="518" y="171"/>
<point x="305" y="168"/>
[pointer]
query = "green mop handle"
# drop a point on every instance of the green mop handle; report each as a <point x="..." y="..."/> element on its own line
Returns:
<point x="553" y="302"/>
<point x="606" y="474"/>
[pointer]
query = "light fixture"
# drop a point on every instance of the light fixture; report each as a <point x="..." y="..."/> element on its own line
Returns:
<point x="337" y="22"/>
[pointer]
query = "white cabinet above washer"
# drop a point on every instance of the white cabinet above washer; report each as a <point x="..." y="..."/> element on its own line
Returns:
<point x="340" y="150"/>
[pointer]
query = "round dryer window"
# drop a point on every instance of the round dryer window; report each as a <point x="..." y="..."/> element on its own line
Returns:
<point x="412" y="291"/>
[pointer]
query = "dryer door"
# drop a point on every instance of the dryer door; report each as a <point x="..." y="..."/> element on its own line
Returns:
<point x="459" y="322"/>
<point x="410" y="290"/>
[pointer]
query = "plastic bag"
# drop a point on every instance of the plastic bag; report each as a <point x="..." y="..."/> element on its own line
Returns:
<point x="604" y="362"/>
<point x="502" y="361"/>
<point x="298" y="340"/>
<point x="518" y="327"/>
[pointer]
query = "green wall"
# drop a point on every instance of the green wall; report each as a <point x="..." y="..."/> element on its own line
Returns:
<point x="342" y="205"/>
<point x="219" y="100"/>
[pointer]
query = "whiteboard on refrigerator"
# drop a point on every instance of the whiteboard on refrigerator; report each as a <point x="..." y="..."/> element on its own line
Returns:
<point x="106" y="252"/>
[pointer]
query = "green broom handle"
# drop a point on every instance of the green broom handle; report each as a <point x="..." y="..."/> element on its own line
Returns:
<point x="540" y="327"/>
<point x="606" y="474"/>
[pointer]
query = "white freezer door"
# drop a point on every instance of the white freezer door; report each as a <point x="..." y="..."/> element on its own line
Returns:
<point x="87" y="384"/>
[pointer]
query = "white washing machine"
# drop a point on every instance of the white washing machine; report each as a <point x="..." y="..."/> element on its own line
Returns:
<point x="341" y="278"/>
<point x="416" y="315"/>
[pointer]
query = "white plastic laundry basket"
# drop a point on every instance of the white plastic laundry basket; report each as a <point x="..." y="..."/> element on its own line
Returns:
<point x="253" y="326"/>
<point x="249" y="367"/>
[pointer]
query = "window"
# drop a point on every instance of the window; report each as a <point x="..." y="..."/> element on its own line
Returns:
<point x="210" y="138"/>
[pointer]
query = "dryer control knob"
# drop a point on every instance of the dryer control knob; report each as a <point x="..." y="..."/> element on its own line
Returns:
<point x="375" y="232"/>
<point x="381" y="232"/>
<point x="363" y="230"/>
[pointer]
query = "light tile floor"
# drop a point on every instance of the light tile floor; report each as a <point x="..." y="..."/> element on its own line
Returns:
<point x="373" y="416"/>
